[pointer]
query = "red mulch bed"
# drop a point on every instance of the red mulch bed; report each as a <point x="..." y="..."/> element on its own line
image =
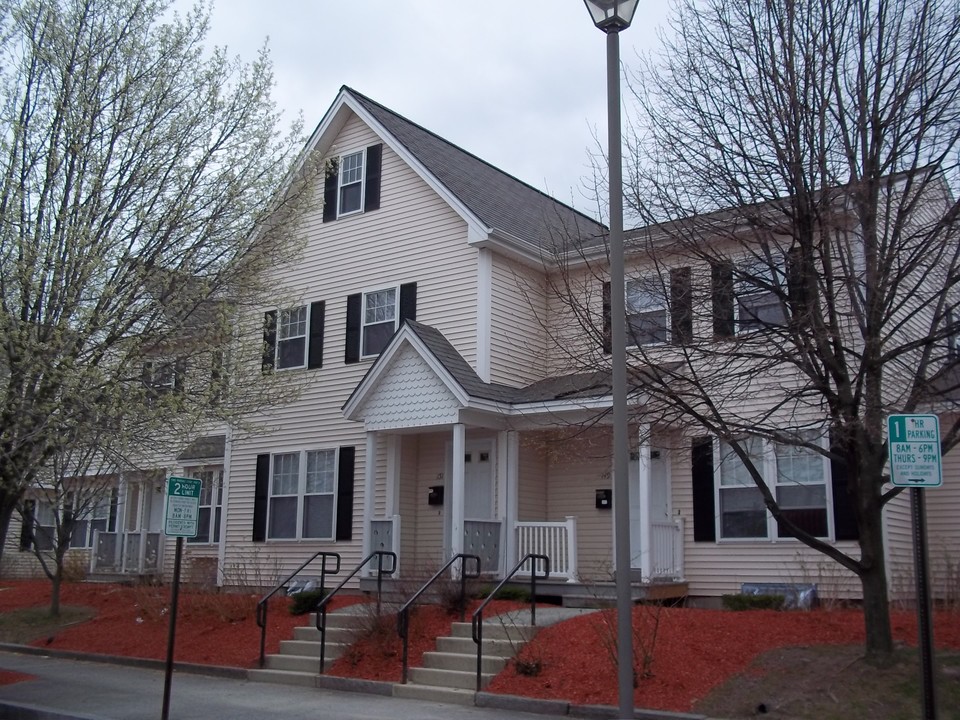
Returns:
<point x="695" y="651"/>
<point x="9" y="677"/>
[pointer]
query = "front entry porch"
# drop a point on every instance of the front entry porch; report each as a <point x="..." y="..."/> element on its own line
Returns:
<point x="132" y="546"/>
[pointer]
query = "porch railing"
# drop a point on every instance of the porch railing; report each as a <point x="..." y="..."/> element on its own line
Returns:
<point x="667" y="550"/>
<point x="127" y="552"/>
<point x="385" y="537"/>
<point x="556" y="540"/>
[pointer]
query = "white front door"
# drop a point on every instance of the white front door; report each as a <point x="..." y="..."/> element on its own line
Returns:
<point x="659" y="501"/>
<point x="478" y="481"/>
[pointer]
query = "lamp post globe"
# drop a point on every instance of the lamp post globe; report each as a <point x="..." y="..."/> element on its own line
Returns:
<point x="612" y="15"/>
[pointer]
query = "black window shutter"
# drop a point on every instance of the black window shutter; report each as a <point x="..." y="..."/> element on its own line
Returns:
<point x="408" y="302"/>
<point x="315" y="351"/>
<point x="260" y="497"/>
<point x="269" y="340"/>
<point x="330" y="183"/>
<point x="179" y="374"/>
<point x="681" y="306"/>
<point x="704" y="509"/>
<point x="26" y="530"/>
<point x="722" y="285"/>
<point x="607" y="322"/>
<point x="345" y="493"/>
<point x="844" y="516"/>
<point x="351" y="352"/>
<point x="371" y="197"/>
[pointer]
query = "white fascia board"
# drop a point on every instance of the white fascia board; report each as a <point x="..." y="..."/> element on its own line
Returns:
<point x="514" y="249"/>
<point x="383" y="363"/>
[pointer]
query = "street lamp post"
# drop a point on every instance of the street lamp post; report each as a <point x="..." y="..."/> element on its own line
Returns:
<point x="612" y="16"/>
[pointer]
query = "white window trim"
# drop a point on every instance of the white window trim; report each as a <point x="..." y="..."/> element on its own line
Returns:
<point x="363" y="181"/>
<point x="768" y="470"/>
<point x="216" y="501"/>
<point x="306" y="339"/>
<point x="363" y="315"/>
<point x="743" y="287"/>
<point x="665" y="308"/>
<point x="301" y="494"/>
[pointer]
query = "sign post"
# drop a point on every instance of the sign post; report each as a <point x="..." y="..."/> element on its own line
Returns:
<point x="914" y="445"/>
<point x="181" y="520"/>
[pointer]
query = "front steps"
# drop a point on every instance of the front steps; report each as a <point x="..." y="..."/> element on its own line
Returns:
<point x="449" y="674"/>
<point x="298" y="662"/>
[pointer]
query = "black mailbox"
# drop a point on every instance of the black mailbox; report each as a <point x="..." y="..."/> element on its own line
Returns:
<point x="604" y="499"/>
<point x="435" y="496"/>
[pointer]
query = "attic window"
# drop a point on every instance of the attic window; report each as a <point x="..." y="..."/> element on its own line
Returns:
<point x="351" y="183"/>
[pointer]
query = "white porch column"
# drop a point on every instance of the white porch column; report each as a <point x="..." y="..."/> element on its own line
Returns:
<point x="393" y="476"/>
<point x="643" y="486"/>
<point x="508" y="446"/>
<point x="369" y="483"/>
<point x="457" y="493"/>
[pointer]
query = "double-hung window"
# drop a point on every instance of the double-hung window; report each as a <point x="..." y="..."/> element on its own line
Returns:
<point x="302" y="495"/>
<point x="89" y="516"/>
<point x="351" y="183"/>
<point x="797" y="476"/>
<point x="211" y="503"/>
<point x="760" y="291"/>
<point x="379" y="320"/>
<point x="292" y="338"/>
<point x="647" y="320"/>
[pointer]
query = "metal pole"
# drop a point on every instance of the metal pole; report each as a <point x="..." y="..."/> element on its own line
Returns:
<point x="618" y="358"/>
<point x="174" y="598"/>
<point x="924" y="610"/>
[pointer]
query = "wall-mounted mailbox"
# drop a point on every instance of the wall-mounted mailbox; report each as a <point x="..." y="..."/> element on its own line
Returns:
<point x="435" y="496"/>
<point x="604" y="499"/>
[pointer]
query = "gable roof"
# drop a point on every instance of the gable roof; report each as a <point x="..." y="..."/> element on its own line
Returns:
<point x="509" y="209"/>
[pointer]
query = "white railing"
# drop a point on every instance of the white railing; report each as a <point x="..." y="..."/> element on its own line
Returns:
<point x="667" y="547"/>
<point x="128" y="552"/>
<point x="556" y="540"/>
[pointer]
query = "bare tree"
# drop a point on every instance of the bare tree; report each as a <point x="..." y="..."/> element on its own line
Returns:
<point x="139" y="209"/>
<point x="793" y="166"/>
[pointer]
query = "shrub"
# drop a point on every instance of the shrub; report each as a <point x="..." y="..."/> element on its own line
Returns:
<point x="306" y="601"/>
<point x="753" y="602"/>
<point x="508" y="593"/>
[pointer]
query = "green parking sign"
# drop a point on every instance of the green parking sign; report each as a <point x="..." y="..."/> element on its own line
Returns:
<point x="914" y="445"/>
<point x="182" y="518"/>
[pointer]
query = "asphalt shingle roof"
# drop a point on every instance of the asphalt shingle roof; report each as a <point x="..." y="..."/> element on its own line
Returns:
<point x="501" y="201"/>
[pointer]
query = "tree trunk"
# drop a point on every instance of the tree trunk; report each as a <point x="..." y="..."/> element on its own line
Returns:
<point x="876" y="602"/>
<point x="8" y="503"/>
<point x="55" y="583"/>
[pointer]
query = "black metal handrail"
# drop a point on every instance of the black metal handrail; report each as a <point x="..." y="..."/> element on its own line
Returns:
<point x="403" y="615"/>
<point x="321" y="609"/>
<point x="477" y="619"/>
<point x="262" y="605"/>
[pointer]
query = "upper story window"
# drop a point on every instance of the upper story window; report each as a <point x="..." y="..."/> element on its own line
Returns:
<point x="379" y="320"/>
<point x="760" y="290"/>
<point x="211" y="503"/>
<point x="163" y="375"/>
<point x="796" y="475"/>
<point x="292" y="338"/>
<point x="352" y="183"/>
<point x="646" y="312"/>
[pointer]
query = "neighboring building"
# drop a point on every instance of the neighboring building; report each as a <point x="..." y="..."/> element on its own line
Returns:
<point x="442" y="411"/>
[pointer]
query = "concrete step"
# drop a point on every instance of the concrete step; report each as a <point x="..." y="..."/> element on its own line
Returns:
<point x="495" y="630"/>
<point x="294" y="663"/>
<point x="466" y="646"/>
<point x="451" y="696"/>
<point x="308" y="648"/>
<point x="463" y="680"/>
<point x="283" y="677"/>
<point x="348" y="617"/>
<point x="463" y="663"/>
<point x="334" y="634"/>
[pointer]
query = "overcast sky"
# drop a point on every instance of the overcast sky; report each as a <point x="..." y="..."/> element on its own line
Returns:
<point x="520" y="83"/>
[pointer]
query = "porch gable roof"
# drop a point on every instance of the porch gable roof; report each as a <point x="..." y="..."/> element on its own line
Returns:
<point x="469" y="390"/>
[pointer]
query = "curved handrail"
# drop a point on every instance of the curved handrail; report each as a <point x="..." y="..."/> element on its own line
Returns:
<point x="476" y="623"/>
<point x="262" y="604"/>
<point x="321" y="609"/>
<point x="403" y="615"/>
